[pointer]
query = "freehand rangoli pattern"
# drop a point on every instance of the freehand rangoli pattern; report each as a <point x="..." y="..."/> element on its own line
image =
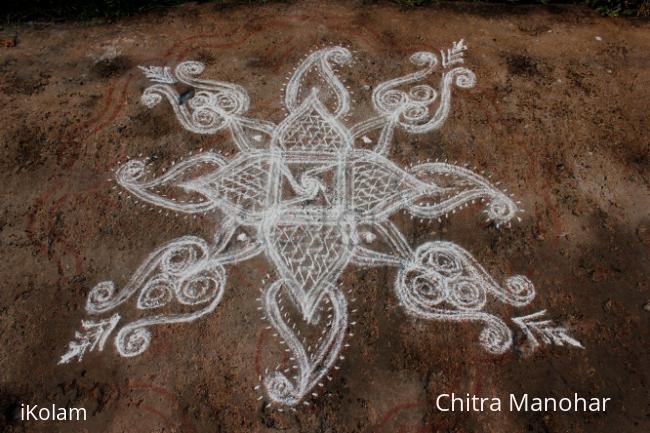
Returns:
<point x="314" y="195"/>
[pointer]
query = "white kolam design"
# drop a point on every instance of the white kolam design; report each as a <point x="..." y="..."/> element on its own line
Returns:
<point x="313" y="195"/>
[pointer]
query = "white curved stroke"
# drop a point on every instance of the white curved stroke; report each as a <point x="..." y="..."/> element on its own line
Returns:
<point x="463" y="78"/>
<point x="131" y="176"/>
<point x="430" y="190"/>
<point x="204" y="117"/>
<point x="518" y="291"/>
<point x="501" y="208"/>
<point x="400" y="249"/>
<point x="495" y="338"/>
<point x="232" y="99"/>
<point x="322" y="61"/>
<point x="312" y="366"/>
<point x="392" y="102"/>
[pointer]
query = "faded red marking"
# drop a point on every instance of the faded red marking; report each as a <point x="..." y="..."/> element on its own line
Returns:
<point x="170" y="397"/>
<point x="261" y="340"/>
<point x="156" y="412"/>
<point x="391" y="414"/>
<point x="120" y="105"/>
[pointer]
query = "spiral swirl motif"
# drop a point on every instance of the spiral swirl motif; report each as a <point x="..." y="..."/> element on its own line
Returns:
<point x="201" y="287"/>
<point x="440" y="259"/>
<point x="101" y="297"/>
<point x="150" y="99"/>
<point x="156" y="293"/>
<point x="207" y="118"/>
<point x="501" y="209"/>
<point x="189" y="68"/>
<point x="496" y="337"/>
<point x="422" y="288"/>
<point x="423" y="94"/>
<point x="200" y="100"/>
<point x="339" y="55"/>
<point x="394" y="99"/>
<point x="280" y="388"/>
<point x="182" y="257"/>
<point x="464" y="78"/>
<point x="520" y="290"/>
<point x="444" y="282"/>
<point x="467" y="294"/>
<point x="414" y="113"/>
<point x="227" y="102"/>
<point x="131" y="171"/>
<point x="132" y="340"/>
<point x="215" y="101"/>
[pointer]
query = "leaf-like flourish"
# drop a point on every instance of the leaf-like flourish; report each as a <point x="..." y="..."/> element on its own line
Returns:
<point x="459" y="187"/>
<point x="544" y="330"/>
<point x="312" y="363"/>
<point x="134" y="177"/>
<point x="93" y="336"/>
<point x="159" y="74"/>
<point x="412" y="110"/>
<point x="430" y="190"/>
<point x="321" y="61"/>
<point x="212" y="105"/>
<point x="199" y="286"/>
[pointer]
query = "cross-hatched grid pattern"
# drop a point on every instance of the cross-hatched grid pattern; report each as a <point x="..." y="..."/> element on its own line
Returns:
<point x="374" y="183"/>
<point x="312" y="132"/>
<point x="310" y="252"/>
<point x="245" y="187"/>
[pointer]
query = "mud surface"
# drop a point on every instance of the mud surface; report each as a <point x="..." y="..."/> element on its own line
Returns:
<point x="559" y="116"/>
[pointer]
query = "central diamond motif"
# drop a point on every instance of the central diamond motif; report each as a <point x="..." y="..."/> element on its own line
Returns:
<point x="310" y="249"/>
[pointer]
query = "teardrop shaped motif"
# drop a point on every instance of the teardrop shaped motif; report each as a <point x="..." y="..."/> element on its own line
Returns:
<point x="311" y="128"/>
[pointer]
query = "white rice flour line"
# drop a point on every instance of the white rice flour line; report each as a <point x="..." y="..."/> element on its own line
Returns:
<point x="312" y="197"/>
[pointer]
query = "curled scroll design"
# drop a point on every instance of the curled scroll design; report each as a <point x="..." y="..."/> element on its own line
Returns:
<point x="164" y="274"/>
<point x="229" y="99"/>
<point x="209" y="109"/>
<point x="393" y="103"/>
<point x="183" y="272"/>
<point x="133" y="176"/>
<point x="443" y="282"/>
<point x="411" y="110"/>
<point x="198" y="285"/>
<point x="429" y="190"/>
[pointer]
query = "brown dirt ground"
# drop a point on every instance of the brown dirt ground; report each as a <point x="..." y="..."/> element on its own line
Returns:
<point x="559" y="116"/>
